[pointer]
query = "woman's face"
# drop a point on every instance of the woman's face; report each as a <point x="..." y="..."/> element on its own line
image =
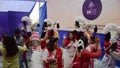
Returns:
<point x="70" y="36"/>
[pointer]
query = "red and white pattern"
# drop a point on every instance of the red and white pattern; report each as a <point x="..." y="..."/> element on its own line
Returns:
<point x="34" y="36"/>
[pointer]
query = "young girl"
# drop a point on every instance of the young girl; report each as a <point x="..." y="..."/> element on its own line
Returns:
<point x="52" y="56"/>
<point x="10" y="52"/>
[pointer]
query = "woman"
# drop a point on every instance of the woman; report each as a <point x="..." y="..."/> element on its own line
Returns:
<point x="24" y="35"/>
<point x="52" y="56"/>
<point x="48" y="31"/>
<point x="10" y="52"/>
<point x="107" y="57"/>
<point x="68" y="43"/>
<point x="76" y="34"/>
<point x="115" y="53"/>
<point x="19" y="42"/>
<point x="83" y="56"/>
<point x="92" y="47"/>
<point x="69" y="40"/>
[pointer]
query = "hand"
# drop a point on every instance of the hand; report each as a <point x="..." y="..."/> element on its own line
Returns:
<point x="64" y="36"/>
<point x="51" y="60"/>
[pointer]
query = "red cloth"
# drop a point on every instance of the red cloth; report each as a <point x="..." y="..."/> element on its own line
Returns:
<point x="92" y="59"/>
<point x="43" y="44"/>
<point x="107" y="44"/>
<point x="86" y="56"/>
<point x="58" y="56"/>
<point x="76" y="62"/>
<point x="66" y="42"/>
<point x="117" y="49"/>
<point x="76" y="36"/>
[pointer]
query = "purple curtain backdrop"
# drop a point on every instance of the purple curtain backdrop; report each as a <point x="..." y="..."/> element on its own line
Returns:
<point x="14" y="20"/>
<point x="11" y="20"/>
<point x="4" y="28"/>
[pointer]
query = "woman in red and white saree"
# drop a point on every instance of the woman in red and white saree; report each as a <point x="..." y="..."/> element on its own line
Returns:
<point x="83" y="56"/>
<point x="106" y="61"/>
<point x="69" y="51"/>
<point x="52" y="56"/>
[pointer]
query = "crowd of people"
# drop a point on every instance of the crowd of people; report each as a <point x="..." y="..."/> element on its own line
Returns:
<point x="82" y="48"/>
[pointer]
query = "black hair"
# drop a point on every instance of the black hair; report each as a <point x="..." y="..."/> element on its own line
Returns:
<point x="17" y="31"/>
<point x="95" y="29"/>
<point x="80" y="34"/>
<point x="51" y="34"/>
<point x="10" y="46"/>
<point x="38" y="25"/>
<point x="75" y="32"/>
<point x="58" y="25"/>
<point x="28" y="34"/>
<point x="80" y="48"/>
<point x="23" y="33"/>
<point x="73" y="39"/>
<point x="107" y="36"/>
<point x="24" y="24"/>
<point x="43" y="34"/>
<point x="44" y="25"/>
<point x="93" y="38"/>
<point x="50" y="44"/>
<point x="85" y="41"/>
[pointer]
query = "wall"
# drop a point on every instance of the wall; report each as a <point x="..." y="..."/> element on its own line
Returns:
<point x="66" y="11"/>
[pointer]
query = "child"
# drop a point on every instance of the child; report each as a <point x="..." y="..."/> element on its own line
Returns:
<point x="10" y="52"/>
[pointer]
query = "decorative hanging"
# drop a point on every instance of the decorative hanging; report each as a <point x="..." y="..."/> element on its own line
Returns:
<point x="92" y="9"/>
